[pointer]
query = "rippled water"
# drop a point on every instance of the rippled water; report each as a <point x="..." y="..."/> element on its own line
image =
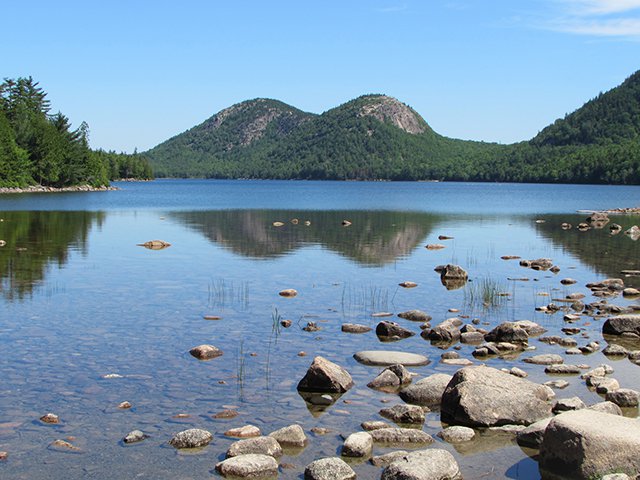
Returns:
<point x="80" y="301"/>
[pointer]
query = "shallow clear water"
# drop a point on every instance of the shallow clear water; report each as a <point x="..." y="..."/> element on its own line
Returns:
<point x="80" y="300"/>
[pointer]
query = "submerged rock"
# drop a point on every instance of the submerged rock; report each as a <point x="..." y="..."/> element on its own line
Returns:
<point x="155" y="244"/>
<point x="134" y="436"/>
<point x="257" y="445"/>
<point x="355" y="328"/>
<point x="457" y="434"/>
<point x="401" y="436"/>
<point x="415" y="316"/>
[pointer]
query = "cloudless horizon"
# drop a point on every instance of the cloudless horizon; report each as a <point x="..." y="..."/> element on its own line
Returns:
<point x="141" y="72"/>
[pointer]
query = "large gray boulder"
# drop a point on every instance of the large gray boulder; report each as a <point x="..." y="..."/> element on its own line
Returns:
<point x="486" y="397"/>
<point x="332" y="468"/>
<point x="249" y="466"/>
<point x="325" y="376"/>
<point x="431" y="464"/>
<point x="427" y="391"/>
<point x="621" y="324"/>
<point x="586" y="444"/>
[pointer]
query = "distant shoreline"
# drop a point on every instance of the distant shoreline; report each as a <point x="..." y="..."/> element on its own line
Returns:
<point x="43" y="189"/>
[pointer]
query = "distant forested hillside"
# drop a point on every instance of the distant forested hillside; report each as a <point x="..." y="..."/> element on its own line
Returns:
<point x="37" y="147"/>
<point x="378" y="137"/>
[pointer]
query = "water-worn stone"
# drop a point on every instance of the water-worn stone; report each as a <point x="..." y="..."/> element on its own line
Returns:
<point x="332" y="468"/>
<point x="430" y="464"/>
<point x="453" y="276"/>
<point x="600" y="444"/>
<point x="427" y="391"/>
<point x="605" y="385"/>
<point x="248" y="466"/>
<point x="205" y="352"/>
<point x="508" y="332"/>
<point x="621" y="324"/>
<point x="359" y="444"/>
<point x="392" y="329"/>
<point x="191" y="438"/>
<point x="291" y="436"/>
<point x="288" y="292"/>
<point x="532" y="435"/>
<point x="545" y="359"/>
<point x="484" y="397"/>
<point x="404" y="414"/>
<point x="386" y="358"/>
<point x="391" y="378"/>
<point x="245" y="431"/>
<point x="606" y="407"/>
<point x="415" y="316"/>
<point x="401" y="436"/>
<point x="562" y="369"/>
<point x="387" y="458"/>
<point x="566" y="404"/>
<point x="374" y="425"/>
<point x="325" y="376"/>
<point x="623" y="397"/>
<point x="457" y="434"/>
<point x="134" y="436"/>
<point x="355" y="328"/>
<point x="257" y="445"/>
<point x="445" y="332"/>
<point x="51" y="418"/>
<point x="614" y="350"/>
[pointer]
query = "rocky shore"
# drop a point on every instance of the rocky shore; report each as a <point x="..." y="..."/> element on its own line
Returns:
<point x="43" y="189"/>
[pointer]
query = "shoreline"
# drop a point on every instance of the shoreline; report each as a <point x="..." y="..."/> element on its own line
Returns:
<point x="43" y="189"/>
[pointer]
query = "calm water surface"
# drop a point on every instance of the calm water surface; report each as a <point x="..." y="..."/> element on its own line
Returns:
<point x="81" y="301"/>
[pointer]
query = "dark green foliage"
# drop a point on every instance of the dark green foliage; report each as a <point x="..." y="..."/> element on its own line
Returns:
<point x="599" y="143"/>
<point x="39" y="148"/>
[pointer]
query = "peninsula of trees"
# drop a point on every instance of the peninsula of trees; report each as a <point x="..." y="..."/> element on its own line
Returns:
<point x="40" y="148"/>
<point x="378" y="137"/>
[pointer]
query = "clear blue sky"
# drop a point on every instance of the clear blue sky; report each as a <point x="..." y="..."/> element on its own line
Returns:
<point x="140" y="72"/>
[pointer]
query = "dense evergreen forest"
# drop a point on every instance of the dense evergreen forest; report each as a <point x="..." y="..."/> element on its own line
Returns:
<point x="40" y="148"/>
<point x="378" y="137"/>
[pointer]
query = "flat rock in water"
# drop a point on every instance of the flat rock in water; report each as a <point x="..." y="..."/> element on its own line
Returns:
<point x="288" y="292"/>
<point x="404" y="414"/>
<point x="457" y="434"/>
<point x="245" y="431"/>
<point x="258" y="445"/>
<point x="374" y="425"/>
<point x="191" y="438"/>
<point x="325" y="376"/>
<point x="431" y="464"/>
<point x="155" y="244"/>
<point x="601" y="443"/>
<point x="562" y="369"/>
<point x="427" y="391"/>
<point x="387" y="358"/>
<point x="355" y="328"/>
<point x="484" y="397"/>
<point x="401" y="436"/>
<point x="545" y="359"/>
<point x="388" y="458"/>
<point x="249" y="466"/>
<point x="332" y="468"/>
<point x="415" y="316"/>
<point x="291" y="436"/>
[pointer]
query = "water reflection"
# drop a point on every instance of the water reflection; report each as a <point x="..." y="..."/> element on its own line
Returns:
<point x="372" y="238"/>
<point x="608" y="254"/>
<point x="37" y="240"/>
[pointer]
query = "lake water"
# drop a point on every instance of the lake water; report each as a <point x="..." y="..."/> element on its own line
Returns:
<point x="81" y="302"/>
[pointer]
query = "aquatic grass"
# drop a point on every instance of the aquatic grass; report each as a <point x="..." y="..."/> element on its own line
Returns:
<point x="485" y="293"/>
<point x="223" y="294"/>
<point x="240" y="371"/>
<point x="367" y="298"/>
